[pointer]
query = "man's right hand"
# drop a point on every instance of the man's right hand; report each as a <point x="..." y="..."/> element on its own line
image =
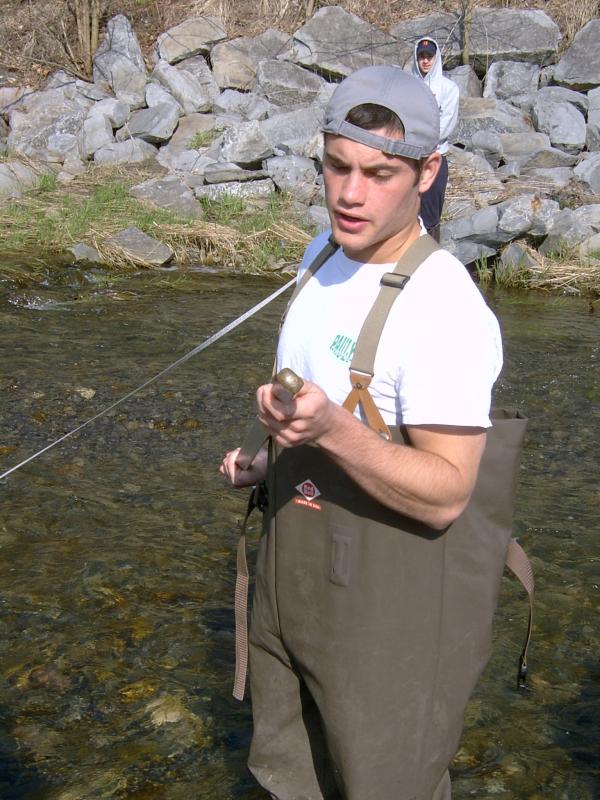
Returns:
<point x="238" y="477"/>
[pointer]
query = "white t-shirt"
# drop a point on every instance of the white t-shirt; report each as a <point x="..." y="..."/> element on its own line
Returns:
<point x="439" y="354"/>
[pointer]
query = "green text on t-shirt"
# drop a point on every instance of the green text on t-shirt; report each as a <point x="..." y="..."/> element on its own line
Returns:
<point x="343" y="347"/>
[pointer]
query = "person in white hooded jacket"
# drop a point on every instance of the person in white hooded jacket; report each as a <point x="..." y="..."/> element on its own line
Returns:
<point x="427" y="65"/>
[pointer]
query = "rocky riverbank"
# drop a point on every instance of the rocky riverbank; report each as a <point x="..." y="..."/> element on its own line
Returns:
<point x="220" y="120"/>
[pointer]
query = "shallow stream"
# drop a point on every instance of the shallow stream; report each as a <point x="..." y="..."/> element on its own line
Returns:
<point x="117" y="547"/>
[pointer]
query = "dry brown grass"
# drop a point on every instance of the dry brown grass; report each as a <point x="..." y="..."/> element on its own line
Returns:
<point x="563" y="273"/>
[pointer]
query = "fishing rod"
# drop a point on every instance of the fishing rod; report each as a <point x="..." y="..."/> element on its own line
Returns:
<point x="198" y="349"/>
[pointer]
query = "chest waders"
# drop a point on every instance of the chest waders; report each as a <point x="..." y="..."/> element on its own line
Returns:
<point x="369" y="629"/>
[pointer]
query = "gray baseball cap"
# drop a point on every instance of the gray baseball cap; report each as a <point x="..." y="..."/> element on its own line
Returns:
<point x="393" y="88"/>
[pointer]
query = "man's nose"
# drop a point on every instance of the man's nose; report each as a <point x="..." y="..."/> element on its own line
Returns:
<point x="352" y="190"/>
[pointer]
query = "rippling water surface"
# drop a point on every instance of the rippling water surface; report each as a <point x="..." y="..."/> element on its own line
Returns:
<point x="117" y="547"/>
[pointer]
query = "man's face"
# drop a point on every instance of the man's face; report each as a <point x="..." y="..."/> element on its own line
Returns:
<point x="426" y="62"/>
<point x="372" y="198"/>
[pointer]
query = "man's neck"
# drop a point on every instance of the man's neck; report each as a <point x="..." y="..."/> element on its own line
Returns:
<point x="390" y="250"/>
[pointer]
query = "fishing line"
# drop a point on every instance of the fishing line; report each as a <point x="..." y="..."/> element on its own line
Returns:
<point x="198" y="349"/>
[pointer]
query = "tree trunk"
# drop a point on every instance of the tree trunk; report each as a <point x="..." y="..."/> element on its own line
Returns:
<point x="87" y="17"/>
<point x="467" y="22"/>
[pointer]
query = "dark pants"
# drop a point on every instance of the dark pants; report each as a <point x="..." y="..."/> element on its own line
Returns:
<point x="432" y="201"/>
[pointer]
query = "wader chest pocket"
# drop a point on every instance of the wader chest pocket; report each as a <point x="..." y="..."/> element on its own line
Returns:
<point x="341" y="555"/>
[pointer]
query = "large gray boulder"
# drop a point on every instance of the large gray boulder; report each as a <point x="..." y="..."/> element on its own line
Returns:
<point x="560" y="94"/>
<point x="512" y="34"/>
<point x="154" y="125"/>
<point x="505" y="79"/>
<point x="479" y="227"/>
<point x="245" y="105"/>
<point x="336" y="43"/>
<point x="593" y="98"/>
<point x="588" y="172"/>
<point x="579" y="68"/>
<point x="135" y="246"/>
<point x="132" y="151"/>
<point x="513" y="258"/>
<point x="44" y="114"/>
<point x="570" y="228"/>
<point x="592" y="139"/>
<point x="192" y="93"/>
<point x="552" y="158"/>
<point x="234" y="63"/>
<point x="11" y="98"/>
<point x="499" y="34"/>
<point x="550" y="94"/>
<point x="589" y="249"/>
<point x="294" y="175"/>
<point x="287" y="85"/>
<point x="489" y="114"/>
<point x="295" y="132"/>
<point x="489" y="145"/>
<point x="157" y="94"/>
<point x="192" y="126"/>
<point x="182" y="153"/>
<point x="550" y="179"/>
<point x="119" y="64"/>
<point x="225" y="171"/>
<point x="96" y="132"/>
<point x="116" y="111"/>
<point x="318" y="218"/>
<point x="527" y="214"/>
<point x="191" y="37"/>
<point x="63" y="144"/>
<point x="169" y="193"/>
<point x="465" y="77"/>
<point x="245" y="144"/>
<point x="564" y="124"/>
<point x="16" y="178"/>
<point x="246" y="190"/>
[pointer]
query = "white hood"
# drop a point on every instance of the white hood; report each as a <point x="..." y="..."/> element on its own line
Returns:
<point x="445" y="92"/>
<point x="433" y="79"/>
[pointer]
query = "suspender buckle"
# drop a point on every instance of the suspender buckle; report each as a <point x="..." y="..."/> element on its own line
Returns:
<point x="394" y="279"/>
<point x="261" y="496"/>
<point x="522" y="675"/>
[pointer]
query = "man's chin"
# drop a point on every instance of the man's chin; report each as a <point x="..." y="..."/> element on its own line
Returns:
<point x="352" y="245"/>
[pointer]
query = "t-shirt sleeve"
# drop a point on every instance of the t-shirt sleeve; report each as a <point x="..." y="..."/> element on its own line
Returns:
<point x="452" y="360"/>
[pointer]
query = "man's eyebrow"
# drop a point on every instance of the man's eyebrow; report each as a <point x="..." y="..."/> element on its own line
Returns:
<point x="376" y="165"/>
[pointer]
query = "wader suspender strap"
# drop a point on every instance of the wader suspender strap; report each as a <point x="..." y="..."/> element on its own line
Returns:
<point x="241" y="603"/>
<point x="520" y="566"/>
<point x="253" y="441"/>
<point x="362" y="367"/>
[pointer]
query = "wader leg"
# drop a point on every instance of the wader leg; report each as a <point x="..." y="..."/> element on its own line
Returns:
<point x="288" y="755"/>
<point x="443" y="791"/>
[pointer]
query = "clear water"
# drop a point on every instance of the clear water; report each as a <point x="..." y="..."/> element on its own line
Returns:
<point x="117" y="547"/>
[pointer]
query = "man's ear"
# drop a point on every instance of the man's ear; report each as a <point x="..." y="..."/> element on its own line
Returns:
<point x="430" y="167"/>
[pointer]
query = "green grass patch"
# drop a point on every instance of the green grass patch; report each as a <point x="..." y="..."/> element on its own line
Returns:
<point x="48" y="183"/>
<point x="255" y="237"/>
<point x="52" y="219"/>
<point x="202" y="139"/>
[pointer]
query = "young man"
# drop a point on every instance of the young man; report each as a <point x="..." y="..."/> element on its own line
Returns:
<point x="362" y="657"/>
<point x="427" y="66"/>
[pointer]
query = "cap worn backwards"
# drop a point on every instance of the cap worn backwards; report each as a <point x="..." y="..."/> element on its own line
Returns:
<point x="403" y="94"/>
